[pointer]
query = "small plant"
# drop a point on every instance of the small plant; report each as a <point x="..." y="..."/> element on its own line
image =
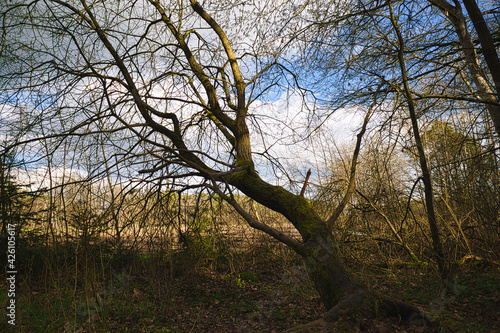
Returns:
<point x="248" y="276"/>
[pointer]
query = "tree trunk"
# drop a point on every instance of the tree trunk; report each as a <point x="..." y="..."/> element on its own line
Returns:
<point x="329" y="276"/>
<point x="486" y="94"/>
<point x="487" y="44"/>
<point x="426" y="174"/>
<point x="338" y="290"/>
<point x="320" y="256"/>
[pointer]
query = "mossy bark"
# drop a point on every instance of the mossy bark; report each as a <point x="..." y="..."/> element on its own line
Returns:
<point x="337" y="288"/>
<point x="320" y="255"/>
<point x="323" y="266"/>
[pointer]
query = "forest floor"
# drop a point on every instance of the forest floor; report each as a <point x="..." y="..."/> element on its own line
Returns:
<point x="264" y="290"/>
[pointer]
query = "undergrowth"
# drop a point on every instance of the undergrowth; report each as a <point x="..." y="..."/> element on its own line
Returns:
<point x="204" y="288"/>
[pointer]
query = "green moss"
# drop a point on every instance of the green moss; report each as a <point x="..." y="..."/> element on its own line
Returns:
<point x="294" y="207"/>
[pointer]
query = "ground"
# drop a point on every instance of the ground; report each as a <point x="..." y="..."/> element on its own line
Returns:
<point x="265" y="291"/>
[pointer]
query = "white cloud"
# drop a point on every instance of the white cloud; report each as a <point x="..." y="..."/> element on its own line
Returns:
<point x="44" y="177"/>
<point x="296" y="135"/>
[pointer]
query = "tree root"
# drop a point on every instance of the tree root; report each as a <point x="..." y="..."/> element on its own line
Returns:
<point x="365" y="311"/>
<point x="370" y="305"/>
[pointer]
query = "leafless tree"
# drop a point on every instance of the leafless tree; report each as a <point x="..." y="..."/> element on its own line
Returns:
<point x="172" y="95"/>
<point x="488" y="91"/>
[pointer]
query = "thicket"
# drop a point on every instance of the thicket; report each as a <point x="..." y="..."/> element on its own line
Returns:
<point x="80" y="247"/>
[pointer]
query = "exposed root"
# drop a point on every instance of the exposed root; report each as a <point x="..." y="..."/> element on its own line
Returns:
<point x="366" y="304"/>
<point x="365" y="311"/>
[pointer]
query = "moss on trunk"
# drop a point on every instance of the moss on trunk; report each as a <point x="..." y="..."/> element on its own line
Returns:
<point x="321" y="259"/>
<point x="339" y="292"/>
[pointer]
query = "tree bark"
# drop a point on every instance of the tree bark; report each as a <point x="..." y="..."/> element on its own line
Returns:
<point x="486" y="94"/>
<point x="318" y="250"/>
<point x="489" y="51"/>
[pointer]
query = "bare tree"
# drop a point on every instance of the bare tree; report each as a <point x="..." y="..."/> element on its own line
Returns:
<point x="426" y="175"/>
<point x="414" y="49"/>
<point x="488" y="92"/>
<point x="168" y="88"/>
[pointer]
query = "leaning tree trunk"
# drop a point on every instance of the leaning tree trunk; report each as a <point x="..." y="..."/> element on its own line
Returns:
<point x="339" y="291"/>
<point x="317" y="249"/>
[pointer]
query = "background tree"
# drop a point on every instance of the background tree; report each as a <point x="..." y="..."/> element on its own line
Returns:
<point x="15" y="201"/>
<point x="488" y="91"/>
<point x="466" y="184"/>
<point x="412" y="48"/>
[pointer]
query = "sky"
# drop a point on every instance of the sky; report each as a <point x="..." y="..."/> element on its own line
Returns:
<point x="283" y="125"/>
<point x="281" y="133"/>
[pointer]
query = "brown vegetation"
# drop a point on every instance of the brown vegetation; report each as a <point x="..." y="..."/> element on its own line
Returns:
<point x="215" y="274"/>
